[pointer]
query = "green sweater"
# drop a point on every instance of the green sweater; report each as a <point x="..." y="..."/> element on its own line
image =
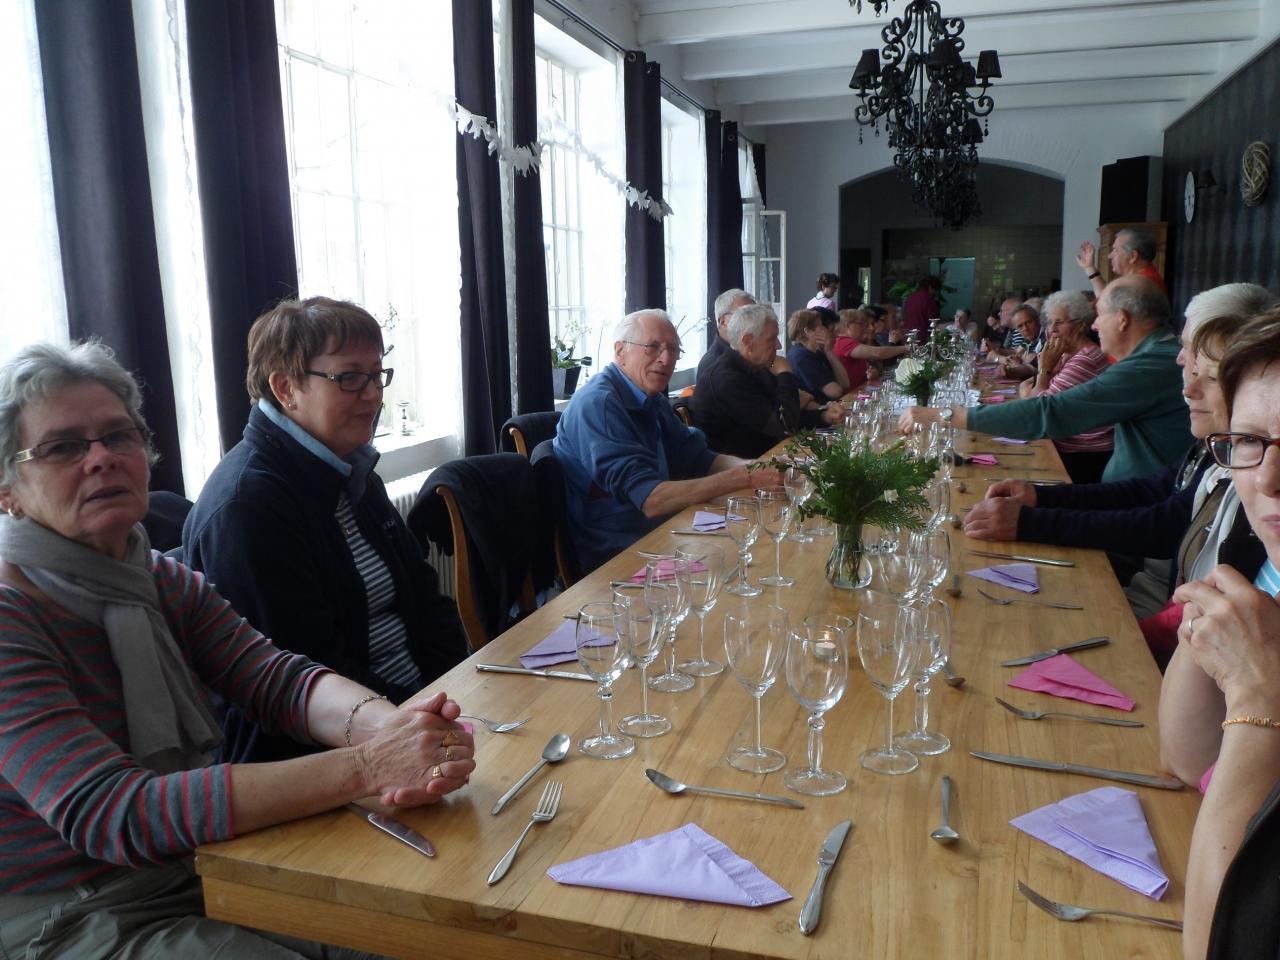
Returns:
<point x="1141" y="395"/>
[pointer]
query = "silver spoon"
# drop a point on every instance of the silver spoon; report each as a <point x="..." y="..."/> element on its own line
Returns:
<point x="953" y="679"/>
<point x="672" y="785"/>
<point x="557" y="749"/>
<point x="944" y="834"/>
<point x="493" y="726"/>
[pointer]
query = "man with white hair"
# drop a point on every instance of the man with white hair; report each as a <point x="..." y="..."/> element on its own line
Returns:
<point x="628" y="461"/>
<point x="726" y="303"/>
<point x="747" y="398"/>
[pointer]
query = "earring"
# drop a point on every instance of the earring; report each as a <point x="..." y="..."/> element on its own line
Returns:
<point x="15" y="512"/>
<point x="293" y="405"/>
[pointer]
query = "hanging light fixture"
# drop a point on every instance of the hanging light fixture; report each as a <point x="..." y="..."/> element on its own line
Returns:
<point x="930" y="100"/>
<point x="879" y="5"/>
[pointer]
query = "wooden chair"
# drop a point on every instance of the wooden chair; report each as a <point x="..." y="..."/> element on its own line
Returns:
<point x="524" y="432"/>
<point x="683" y="410"/>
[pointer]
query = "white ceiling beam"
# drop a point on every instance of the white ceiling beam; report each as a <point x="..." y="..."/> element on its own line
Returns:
<point x="1120" y="29"/>
<point x="710" y="22"/>
<point x="1129" y="63"/>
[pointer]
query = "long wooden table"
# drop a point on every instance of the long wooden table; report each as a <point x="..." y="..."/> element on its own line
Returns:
<point x="894" y="893"/>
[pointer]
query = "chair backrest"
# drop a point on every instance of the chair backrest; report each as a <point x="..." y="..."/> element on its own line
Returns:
<point x="550" y="484"/>
<point x="484" y="511"/>
<point x="683" y="410"/>
<point x="166" y="513"/>
<point x="524" y="432"/>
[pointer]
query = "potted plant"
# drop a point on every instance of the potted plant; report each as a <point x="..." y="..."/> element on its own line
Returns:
<point x="917" y="377"/>
<point x="853" y="485"/>
<point x="565" y="367"/>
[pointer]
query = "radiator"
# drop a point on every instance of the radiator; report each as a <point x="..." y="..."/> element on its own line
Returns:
<point x="403" y="493"/>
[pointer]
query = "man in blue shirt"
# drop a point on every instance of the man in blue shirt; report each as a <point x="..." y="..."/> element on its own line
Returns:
<point x="628" y="461"/>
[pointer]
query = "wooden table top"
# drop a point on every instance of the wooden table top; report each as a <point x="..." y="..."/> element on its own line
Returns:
<point x="894" y="892"/>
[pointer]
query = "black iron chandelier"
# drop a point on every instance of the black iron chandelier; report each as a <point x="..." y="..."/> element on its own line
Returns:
<point x="931" y="101"/>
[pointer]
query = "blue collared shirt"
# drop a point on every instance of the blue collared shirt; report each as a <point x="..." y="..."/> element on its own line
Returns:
<point x="614" y="445"/>
<point x="356" y="468"/>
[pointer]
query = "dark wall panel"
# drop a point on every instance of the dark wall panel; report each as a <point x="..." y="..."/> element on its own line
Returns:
<point x="1226" y="241"/>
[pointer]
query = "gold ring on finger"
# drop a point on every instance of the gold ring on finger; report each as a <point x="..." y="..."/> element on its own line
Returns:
<point x="450" y="738"/>
<point x="436" y="772"/>
<point x="448" y="753"/>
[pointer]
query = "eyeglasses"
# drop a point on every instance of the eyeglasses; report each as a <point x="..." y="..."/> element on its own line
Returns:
<point x="68" y="450"/>
<point x="656" y="348"/>
<point x="1239" y="451"/>
<point x="352" y="381"/>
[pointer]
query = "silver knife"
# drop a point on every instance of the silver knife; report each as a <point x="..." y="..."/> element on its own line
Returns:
<point x="526" y="672"/>
<point x="811" y="912"/>
<point x="700" y="533"/>
<point x="1141" y="779"/>
<point x="1054" y="651"/>
<point x="1024" y="559"/>
<point x="403" y="833"/>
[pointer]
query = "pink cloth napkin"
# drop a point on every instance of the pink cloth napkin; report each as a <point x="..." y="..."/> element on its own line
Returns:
<point x="666" y="570"/>
<point x="1019" y="576"/>
<point x="686" y="862"/>
<point x="559" y="646"/>
<point x="993" y="398"/>
<point x="1063" y="677"/>
<point x="1105" y="829"/>
<point x="1008" y="440"/>
<point x="1006" y="391"/>
<point x="986" y="459"/>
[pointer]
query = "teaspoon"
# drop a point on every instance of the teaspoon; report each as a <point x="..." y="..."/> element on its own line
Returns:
<point x="944" y="834"/>
<point x="557" y="749"/>
<point x="672" y="785"/>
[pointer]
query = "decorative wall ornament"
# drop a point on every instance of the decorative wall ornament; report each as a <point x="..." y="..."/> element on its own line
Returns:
<point x="1255" y="172"/>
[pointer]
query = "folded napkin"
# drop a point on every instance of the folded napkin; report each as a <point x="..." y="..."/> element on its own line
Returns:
<point x="559" y="646"/>
<point x="706" y="520"/>
<point x="1105" y="829"/>
<point x="687" y="862"/>
<point x="1063" y="677"/>
<point x="986" y="459"/>
<point x="1008" y="440"/>
<point x="994" y="398"/>
<point x="1020" y="576"/>
<point x="666" y="570"/>
<point x="1006" y="389"/>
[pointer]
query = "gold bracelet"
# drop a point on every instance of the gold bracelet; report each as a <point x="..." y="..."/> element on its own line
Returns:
<point x="352" y="715"/>
<point x="1253" y="722"/>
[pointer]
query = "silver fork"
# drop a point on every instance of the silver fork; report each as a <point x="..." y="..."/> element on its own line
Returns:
<point x="1040" y="714"/>
<point x="1005" y="601"/>
<point x="545" y="811"/>
<point x="1064" y="911"/>
<point x="493" y="726"/>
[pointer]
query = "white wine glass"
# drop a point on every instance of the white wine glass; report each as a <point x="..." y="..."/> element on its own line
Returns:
<point x="938" y="493"/>
<point x="888" y="646"/>
<point x="603" y="652"/>
<point x="775" y="520"/>
<point x="664" y="571"/>
<point x="899" y="568"/>
<point x="932" y="550"/>
<point x="701" y="572"/>
<point x="755" y="643"/>
<point x="648" y="611"/>
<point x="934" y="622"/>
<point x="742" y="521"/>
<point x="817" y="673"/>
<point x="799" y="488"/>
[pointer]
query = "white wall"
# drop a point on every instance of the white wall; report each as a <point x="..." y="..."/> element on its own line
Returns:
<point x="808" y="162"/>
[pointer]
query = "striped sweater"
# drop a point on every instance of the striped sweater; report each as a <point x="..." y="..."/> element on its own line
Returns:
<point x="74" y="804"/>
<point x="1083" y="365"/>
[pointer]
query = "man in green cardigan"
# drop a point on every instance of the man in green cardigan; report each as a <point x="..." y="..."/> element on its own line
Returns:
<point x="1140" y="395"/>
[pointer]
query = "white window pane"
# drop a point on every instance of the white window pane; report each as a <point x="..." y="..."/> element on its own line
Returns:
<point x="333" y="30"/>
<point x="335" y="132"/>
<point x="308" y="157"/>
<point x="340" y="234"/>
<point x="299" y="27"/>
<point x="374" y="257"/>
<point x="313" y="258"/>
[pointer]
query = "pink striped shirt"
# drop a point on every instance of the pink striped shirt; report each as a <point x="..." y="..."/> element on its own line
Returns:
<point x="1083" y="365"/>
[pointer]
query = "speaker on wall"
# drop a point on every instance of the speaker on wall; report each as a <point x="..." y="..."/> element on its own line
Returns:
<point x="1131" y="191"/>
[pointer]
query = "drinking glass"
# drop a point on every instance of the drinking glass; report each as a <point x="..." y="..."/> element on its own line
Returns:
<point x="938" y="493"/>
<point x="900" y="569"/>
<point x="603" y="652"/>
<point x="742" y="522"/>
<point x="799" y="488"/>
<point x="656" y="571"/>
<point x="817" y="672"/>
<point x="888" y="646"/>
<point x="934" y="621"/>
<point x="775" y="520"/>
<point x="647" y="615"/>
<point x="932" y="549"/>
<point x="755" y="641"/>
<point x="701" y="571"/>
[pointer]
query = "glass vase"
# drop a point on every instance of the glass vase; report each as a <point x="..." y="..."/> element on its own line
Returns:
<point x="848" y="567"/>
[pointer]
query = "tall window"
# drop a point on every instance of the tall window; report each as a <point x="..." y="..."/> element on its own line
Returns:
<point x="374" y="185"/>
<point x="684" y="186"/>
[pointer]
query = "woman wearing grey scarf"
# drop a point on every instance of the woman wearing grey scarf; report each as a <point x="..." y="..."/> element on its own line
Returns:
<point x="109" y="653"/>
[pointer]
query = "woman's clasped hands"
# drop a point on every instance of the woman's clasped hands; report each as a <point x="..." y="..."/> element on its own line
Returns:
<point x="419" y="754"/>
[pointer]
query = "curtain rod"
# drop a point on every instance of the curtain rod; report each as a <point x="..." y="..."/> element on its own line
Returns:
<point x="605" y="38"/>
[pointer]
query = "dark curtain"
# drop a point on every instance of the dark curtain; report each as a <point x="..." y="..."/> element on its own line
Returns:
<point x="486" y="366"/>
<point x="757" y="157"/>
<point x="730" y="211"/>
<point x="238" y="118"/>
<point x="102" y="200"/>
<point x="646" y="277"/>
<point x="533" y="338"/>
<point x="713" y="133"/>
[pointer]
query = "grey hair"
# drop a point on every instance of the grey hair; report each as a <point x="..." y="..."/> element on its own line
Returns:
<point x="749" y="318"/>
<point x="1077" y="305"/>
<point x="629" y="327"/>
<point x="1142" y="300"/>
<point x="1138" y="241"/>
<point x="39" y="371"/>
<point x="1243" y="300"/>
<point x="1027" y="307"/>
<point x="725" y="302"/>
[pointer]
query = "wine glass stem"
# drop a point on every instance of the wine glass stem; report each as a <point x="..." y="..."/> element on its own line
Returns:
<point x="742" y="566"/>
<point x="702" y="622"/>
<point x="816" y="723"/>
<point x="644" y="689"/>
<point x="671" y="652"/>
<point x="922" y="705"/>
<point x="759" y="729"/>
<point x="777" y="558"/>
<point x="606" y="712"/>
<point x="889" y="740"/>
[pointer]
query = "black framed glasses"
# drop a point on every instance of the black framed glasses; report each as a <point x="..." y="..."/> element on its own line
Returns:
<point x="1239" y="451"/>
<point x="656" y="348"/>
<point x="353" y="381"/>
<point x="68" y="450"/>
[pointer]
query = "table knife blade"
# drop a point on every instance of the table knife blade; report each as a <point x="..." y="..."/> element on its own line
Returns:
<point x="1141" y="779"/>
<point x="1023" y="558"/>
<point x="526" y="672"/>
<point x="811" y="912"/>
<point x="393" y="827"/>
<point x="1054" y="651"/>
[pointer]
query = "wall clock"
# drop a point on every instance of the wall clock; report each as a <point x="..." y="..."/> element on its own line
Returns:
<point x="1189" y="197"/>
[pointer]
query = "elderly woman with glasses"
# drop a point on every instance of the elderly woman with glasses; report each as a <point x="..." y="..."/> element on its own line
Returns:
<point x="296" y="529"/>
<point x="111" y="655"/>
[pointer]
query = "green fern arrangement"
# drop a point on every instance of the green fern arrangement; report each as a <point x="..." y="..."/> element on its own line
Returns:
<point x="917" y="377"/>
<point x="853" y="484"/>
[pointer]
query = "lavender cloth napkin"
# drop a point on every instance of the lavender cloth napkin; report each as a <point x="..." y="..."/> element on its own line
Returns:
<point x="686" y="862"/>
<point x="706" y="521"/>
<point x="1105" y="829"/>
<point x="1019" y="576"/>
<point x="559" y="646"/>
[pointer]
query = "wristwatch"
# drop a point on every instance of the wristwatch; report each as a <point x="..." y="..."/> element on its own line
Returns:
<point x="1096" y="273"/>
<point x="945" y="414"/>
